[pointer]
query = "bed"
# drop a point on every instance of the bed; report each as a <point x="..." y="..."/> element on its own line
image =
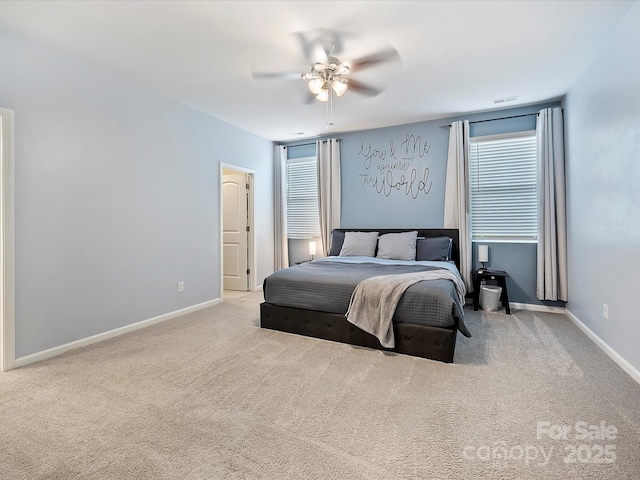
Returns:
<point x="313" y="298"/>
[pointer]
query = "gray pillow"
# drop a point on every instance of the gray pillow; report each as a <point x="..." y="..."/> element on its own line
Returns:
<point x="359" y="243"/>
<point x="337" y="239"/>
<point x="397" y="246"/>
<point x="434" y="249"/>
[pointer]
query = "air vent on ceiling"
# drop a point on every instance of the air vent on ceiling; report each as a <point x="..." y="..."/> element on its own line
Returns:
<point x="506" y="99"/>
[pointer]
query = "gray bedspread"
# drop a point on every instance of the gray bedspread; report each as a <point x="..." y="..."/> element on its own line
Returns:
<point x="326" y="286"/>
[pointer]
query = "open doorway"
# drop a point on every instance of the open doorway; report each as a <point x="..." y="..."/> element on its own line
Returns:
<point x="7" y="296"/>
<point x="237" y="242"/>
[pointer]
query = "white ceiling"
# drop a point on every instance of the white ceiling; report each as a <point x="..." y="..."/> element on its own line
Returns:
<point x="455" y="56"/>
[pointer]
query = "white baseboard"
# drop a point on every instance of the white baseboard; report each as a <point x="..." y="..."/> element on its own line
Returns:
<point x="615" y="356"/>
<point x="533" y="307"/>
<point x="55" y="351"/>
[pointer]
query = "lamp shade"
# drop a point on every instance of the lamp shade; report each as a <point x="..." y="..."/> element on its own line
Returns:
<point x="312" y="248"/>
<point x="339" y="87"/>
<point x="483" y="253"/>
<point x="323" y="96"/>
<point x="316" y="85"/>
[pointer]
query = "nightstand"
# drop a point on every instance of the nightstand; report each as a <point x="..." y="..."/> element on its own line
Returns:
<point x="500" y="276"/>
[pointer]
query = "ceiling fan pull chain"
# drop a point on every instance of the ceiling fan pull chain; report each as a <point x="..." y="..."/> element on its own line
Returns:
<point x="330" y="109"/>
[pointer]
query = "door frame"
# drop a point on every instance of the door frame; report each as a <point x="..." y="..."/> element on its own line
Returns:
<point x="7" y="274"/>
<point x="251" y="243"/>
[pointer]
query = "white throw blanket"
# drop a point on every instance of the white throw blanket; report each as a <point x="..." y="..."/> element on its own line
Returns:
<point x="375" y="299"/>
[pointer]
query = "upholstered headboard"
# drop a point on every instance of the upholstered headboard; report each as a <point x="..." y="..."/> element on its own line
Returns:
<point x="422" y="232"/>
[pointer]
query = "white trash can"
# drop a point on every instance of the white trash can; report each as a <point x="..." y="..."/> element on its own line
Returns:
<point x="490" y="297"/>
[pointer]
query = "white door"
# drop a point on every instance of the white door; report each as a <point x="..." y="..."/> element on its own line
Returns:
<point x="234" y="232"/>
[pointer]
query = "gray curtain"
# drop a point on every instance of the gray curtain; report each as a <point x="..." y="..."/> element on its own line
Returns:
<point x="552" y="224"/>
<point x="281" y="254"/>
<point x="328" y="156"/>
<point x="457" y="204"/>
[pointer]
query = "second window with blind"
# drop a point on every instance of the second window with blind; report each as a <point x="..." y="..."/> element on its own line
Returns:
<point x="504" y="183"/>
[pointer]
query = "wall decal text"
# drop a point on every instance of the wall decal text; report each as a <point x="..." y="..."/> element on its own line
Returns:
<point x="396" y="168"/>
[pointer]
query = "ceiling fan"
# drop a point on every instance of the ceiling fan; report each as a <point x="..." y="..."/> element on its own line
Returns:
<point x="328" y="75"/>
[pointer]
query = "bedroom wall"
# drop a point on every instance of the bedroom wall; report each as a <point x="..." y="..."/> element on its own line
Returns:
<point x="116" y="198"/>
<point x="603" y="170"/>
<point x="420" y="149"/>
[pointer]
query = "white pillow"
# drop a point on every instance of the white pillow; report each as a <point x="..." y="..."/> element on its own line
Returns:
<point x="359" y="243"/>
<point x="398" y="246"/>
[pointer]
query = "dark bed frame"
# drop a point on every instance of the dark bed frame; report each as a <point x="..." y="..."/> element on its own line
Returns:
<point x="435" y="343"/>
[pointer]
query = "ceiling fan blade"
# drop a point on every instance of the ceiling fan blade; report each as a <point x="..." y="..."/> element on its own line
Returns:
<point x="280" y="75"/>
<point x="373" y="59"/>
<point x="317" y="54"/>
<point x="363" y="88"/>
<point x="313" y="49"/>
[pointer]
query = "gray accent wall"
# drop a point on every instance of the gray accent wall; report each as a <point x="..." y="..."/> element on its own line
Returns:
<point x="394" y="177"/>
<point x="602" y="122"/>
<point x="116" y="198"/>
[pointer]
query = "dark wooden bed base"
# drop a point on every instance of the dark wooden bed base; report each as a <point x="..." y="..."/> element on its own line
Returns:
<point x="417" y="340"/>
<point x="435" y="343"/>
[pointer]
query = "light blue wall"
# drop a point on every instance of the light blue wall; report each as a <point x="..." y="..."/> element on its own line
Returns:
<point x="307" y="149"/>
<point x="116" y="198"/>
<point x="602" y="118"/>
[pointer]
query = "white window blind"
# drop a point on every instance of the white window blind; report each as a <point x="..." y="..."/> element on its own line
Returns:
<point x="302" y="198"/>
<point x="503" y="176"/>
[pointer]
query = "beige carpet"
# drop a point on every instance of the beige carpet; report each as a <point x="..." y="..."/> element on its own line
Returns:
<point x="212" y="396"/>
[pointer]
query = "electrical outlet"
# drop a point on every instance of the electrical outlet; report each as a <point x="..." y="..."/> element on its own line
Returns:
<point x="180" y="287"/>
<point x="605" y="311"/>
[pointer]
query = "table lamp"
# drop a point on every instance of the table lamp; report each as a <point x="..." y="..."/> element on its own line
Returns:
<point x="483" y="255"/>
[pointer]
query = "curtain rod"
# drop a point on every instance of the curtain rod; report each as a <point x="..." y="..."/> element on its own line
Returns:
<point x="493" y="119"/>
<point x="307" y="144"/>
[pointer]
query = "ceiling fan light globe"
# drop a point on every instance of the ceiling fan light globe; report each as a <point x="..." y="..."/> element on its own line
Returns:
<point x="339" y="87"/>
<point x="323" y="96"/>
<point x="315" y="85"/>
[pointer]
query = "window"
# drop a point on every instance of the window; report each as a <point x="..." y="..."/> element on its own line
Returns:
<point x="302" y="198"/>
<point x="504" y="187"/>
